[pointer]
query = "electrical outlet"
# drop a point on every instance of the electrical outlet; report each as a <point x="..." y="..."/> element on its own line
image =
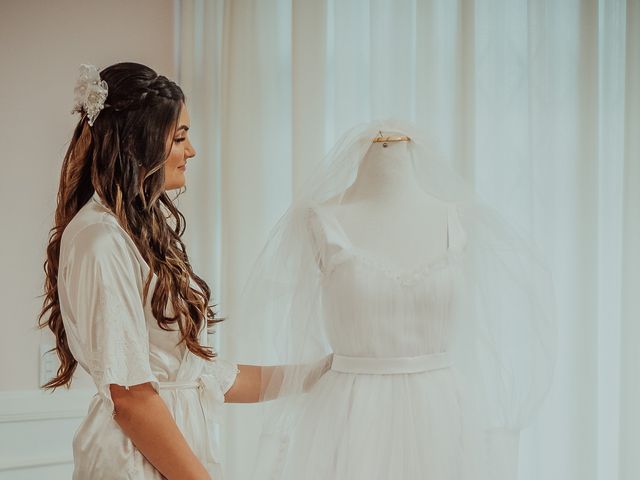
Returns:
<point x="48" y="363"/>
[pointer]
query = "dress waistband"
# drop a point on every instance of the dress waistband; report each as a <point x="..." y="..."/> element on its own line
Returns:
<point x="390" y="365"/>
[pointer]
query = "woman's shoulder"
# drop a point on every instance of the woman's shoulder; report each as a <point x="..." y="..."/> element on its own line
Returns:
<point x="94" y="230"/>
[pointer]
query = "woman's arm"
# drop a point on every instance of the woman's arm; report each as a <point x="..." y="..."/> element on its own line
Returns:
<point x="256" y="383"/>
<point x="144" y="417"/>
<point x="249" y="384"/>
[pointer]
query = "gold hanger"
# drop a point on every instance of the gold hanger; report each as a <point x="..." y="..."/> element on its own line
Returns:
<point x="386" y="139"/>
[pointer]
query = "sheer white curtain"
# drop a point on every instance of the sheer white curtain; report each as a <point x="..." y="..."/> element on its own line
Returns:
<point x="537" y="101"/>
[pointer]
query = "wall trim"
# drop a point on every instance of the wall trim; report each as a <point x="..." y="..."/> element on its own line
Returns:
<point x="31" y="405"/>
<point x="20" y="407"/>
<point x="35" y="462"/>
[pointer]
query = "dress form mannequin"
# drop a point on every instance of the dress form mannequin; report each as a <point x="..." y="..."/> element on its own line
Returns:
<point x="441" y="338"/>
<point x="387" y="214"/>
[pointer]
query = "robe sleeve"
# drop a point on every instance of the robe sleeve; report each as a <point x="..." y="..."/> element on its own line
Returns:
<point x="224" y="372"/>
<point x="104" y="287"/>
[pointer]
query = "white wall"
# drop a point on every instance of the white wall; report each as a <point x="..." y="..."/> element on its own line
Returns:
<point x="42" y="44"/>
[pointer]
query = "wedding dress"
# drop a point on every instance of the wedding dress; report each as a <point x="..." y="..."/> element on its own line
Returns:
<point x="436" y="366"/>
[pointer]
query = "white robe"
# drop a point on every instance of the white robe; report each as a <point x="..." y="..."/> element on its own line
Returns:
<point x="117" y="340"/>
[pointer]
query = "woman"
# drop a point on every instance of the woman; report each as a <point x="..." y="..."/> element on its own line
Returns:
<point x="121" y="297"/>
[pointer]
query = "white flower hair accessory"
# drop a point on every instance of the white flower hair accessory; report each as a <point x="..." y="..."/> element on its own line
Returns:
<point x="90" y="93"/>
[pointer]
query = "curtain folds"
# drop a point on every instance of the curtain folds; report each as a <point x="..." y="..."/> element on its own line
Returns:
<point x="538" y="102"/>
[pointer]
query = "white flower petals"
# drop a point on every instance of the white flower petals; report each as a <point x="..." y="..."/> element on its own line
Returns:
<point x="90" y="92"/>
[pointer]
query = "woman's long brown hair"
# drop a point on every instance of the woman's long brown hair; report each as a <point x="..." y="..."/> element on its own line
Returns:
<point x="121" y="157"/>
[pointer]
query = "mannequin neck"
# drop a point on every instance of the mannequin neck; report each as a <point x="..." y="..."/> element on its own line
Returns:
<point x="386" y="174"/>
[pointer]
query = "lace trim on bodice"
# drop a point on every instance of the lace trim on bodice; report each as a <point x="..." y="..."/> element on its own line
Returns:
<point x="347" y="251"/>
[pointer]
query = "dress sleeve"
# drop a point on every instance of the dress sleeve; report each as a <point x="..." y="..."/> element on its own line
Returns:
<point x="505" y="332"/>
<point x="324" y="239"/>
<point x="317" y="240"/>
<point x="104" y="288"/>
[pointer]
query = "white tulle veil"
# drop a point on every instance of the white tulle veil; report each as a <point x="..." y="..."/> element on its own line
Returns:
<point x="504" y="331"/>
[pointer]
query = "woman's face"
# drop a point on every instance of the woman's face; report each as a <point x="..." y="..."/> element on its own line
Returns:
<point x="181" y="150"/>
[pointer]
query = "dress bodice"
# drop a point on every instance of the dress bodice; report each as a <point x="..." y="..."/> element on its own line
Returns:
<point x="372" y="308"/>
